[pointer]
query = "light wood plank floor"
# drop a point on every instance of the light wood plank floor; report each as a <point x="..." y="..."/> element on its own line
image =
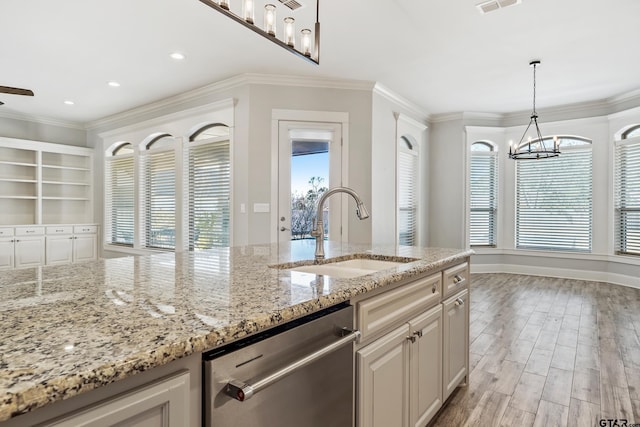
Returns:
<point x="549" y="352"/>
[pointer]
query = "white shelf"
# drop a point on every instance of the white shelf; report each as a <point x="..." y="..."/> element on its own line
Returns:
<point x="67" y="198"/>
<point x="65" y="168"/>
<point x="19" y="197"/>
<point x="33" y="165"/>
<point x="29" y="181"/>
<point x="65" y="183"/>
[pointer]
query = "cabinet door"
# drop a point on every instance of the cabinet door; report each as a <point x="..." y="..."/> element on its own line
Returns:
<point x="455" y="354"/>
<point x="6" y="253"/>
<point x="425" y="356"/>
<point x="383" y="381"/>
<point x="29" y="251"/>
<point x="84" y="247"/>
<point x="162" y="404"/>
<point x="59" y="249"/>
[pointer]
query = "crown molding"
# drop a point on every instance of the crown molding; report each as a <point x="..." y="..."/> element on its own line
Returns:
<point x="303" y="81"/>
<point x="446" y="117"/>
<point x="411" y="107"/>
<point x="42" y="120"/>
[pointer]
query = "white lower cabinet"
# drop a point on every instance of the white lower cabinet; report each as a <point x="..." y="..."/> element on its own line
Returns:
<point x="400" y="376"/>
<point x="67" y="244"/>
<point x="161" y="404"/>
<point x="455" y="341"/>
<point x="19" y="251"/>
<point x="406" y="374"/>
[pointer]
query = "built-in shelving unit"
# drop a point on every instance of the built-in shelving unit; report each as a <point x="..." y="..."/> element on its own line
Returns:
<point x="45" y="183"/>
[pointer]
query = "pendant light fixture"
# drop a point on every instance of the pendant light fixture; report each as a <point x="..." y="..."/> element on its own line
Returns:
<point x="309" y="41"/>
<point x="536" y="148"/>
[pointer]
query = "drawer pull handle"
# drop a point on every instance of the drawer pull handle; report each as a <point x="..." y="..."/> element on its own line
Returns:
<point x="457" y="279"/>
<point x="459" y="302"/>
<point x="417" y="334"/>
<point x="411" y="338"/>
<point x="433" y="290"/>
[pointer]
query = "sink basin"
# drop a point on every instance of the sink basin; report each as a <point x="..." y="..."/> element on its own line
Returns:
<point x="350" y="267"/>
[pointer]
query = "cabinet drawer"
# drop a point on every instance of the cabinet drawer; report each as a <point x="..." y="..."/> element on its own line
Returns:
<point x="6" y="231"/>
<point x="60" y="229"/>
<point x="89" y="229"/>
<point x="455" y="279"/>
<point x="384" y="311"/>
<point x="29" y="231"/>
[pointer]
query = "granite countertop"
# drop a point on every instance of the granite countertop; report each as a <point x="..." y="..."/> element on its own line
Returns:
<point x="69" y="329"/>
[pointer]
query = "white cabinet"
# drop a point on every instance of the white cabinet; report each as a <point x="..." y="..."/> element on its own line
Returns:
<point x="383" y="381"/>
<point x="67" y="244"/>
<point x="21" y="250"/>
<point x="455" y="341"/>
<point x="414" y="350"/>
<point x="425" y="367"/>
<point x="162" y="404"/>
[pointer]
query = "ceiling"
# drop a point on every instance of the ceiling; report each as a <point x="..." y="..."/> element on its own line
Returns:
<point x="443" y="55"/>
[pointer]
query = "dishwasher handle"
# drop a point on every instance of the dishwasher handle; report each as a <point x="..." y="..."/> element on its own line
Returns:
<point x="242" y="391"/>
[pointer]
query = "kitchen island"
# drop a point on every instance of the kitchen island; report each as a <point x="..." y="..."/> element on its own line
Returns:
<point x="74" y="328"/>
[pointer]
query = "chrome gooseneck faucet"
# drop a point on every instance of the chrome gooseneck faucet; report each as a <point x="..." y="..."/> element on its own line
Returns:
<point x="318" y="227"/>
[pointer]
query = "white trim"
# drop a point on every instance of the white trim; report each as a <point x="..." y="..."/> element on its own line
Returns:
<point x="217" y="106"/>
<point x="387" y="93"/>
<point x="29" y="144"/>
<point x="41" y="119"/>
<point x="564" y="273"/>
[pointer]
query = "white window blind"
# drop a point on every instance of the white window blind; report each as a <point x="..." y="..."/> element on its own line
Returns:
<point x="159" y="191"/>
<point x="483" y="183"/>
<point x="119" y="199"/>
<point x="554" y="200"/>
<point x="209" y="193"/>
<point x="407" y="192"/>
<point x="627" y="197"/>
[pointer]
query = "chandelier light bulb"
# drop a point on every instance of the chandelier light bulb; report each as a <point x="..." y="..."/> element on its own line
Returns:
<point x="289" y="31"/>
<point x="248" y="11"/>
<point x="306" y="41"/>
<point x="270" y="19"/>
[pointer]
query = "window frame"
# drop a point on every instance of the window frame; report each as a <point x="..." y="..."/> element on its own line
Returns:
<point x="114" y="155"/>
<point x="622" y="241"/>
<point x="492" y="211"/>
<point x="532" y="227"/>
<point x="408" y="145"/>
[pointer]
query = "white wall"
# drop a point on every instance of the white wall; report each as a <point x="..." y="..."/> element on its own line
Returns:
<point x="383" y="159"/>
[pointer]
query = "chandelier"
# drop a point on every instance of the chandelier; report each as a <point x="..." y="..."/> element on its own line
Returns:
<point x="533" y="149"/>
<point x="307" y="48"/>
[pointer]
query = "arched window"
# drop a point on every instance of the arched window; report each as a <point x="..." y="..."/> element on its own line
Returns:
<point x="213" y="130"/>
<point x="554" y="201"/>
<point x="209" y="187"/>
<point x="159" y="192"/>
<point x="408" y="191"/>
<point x="631" y="132"/>
<point x="119" y="194"/>
<point x="627" y="193"/>
<point x="483" y="185"/>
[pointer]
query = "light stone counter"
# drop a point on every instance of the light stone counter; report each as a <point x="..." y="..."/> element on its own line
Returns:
<point x="69" y="329"/>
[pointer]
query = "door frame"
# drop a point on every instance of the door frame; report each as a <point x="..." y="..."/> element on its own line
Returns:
<point x="277" y="116"/>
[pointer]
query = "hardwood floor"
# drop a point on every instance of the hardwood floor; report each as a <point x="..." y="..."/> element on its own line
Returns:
<point x="549" y="352"/>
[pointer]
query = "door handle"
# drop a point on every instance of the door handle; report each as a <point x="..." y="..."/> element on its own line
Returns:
<point x="283" y="228"/>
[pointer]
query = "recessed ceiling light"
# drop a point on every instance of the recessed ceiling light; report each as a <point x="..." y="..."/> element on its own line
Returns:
<point x="177" y="56"/>
<point x="69" y="102"/>
<point x="114" y="84"/>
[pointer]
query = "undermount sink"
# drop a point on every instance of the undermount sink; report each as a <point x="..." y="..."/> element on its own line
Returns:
<point x="350" y="268"/>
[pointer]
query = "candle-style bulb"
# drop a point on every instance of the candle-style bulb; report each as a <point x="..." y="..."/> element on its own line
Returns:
<point x="247" y="11"/>
<point x="224" y="4"/>
<point x="306" y="42"/>
<point x="270" y="19"/>
<point x="289" y="31"/>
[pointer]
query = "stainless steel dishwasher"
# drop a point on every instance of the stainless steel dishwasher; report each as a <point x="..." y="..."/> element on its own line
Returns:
<point x="300" y="374"/>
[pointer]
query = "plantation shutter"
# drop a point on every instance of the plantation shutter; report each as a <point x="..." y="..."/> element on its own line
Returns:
<point x="120" y="200"/>
<point x="554" y="202"/>
<point x="407" y="195"/>
<point x="484" y="198"/>
<point x="627" y="197"/>
<point x="209" y="194"/>
<point x="159" y="198"/>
